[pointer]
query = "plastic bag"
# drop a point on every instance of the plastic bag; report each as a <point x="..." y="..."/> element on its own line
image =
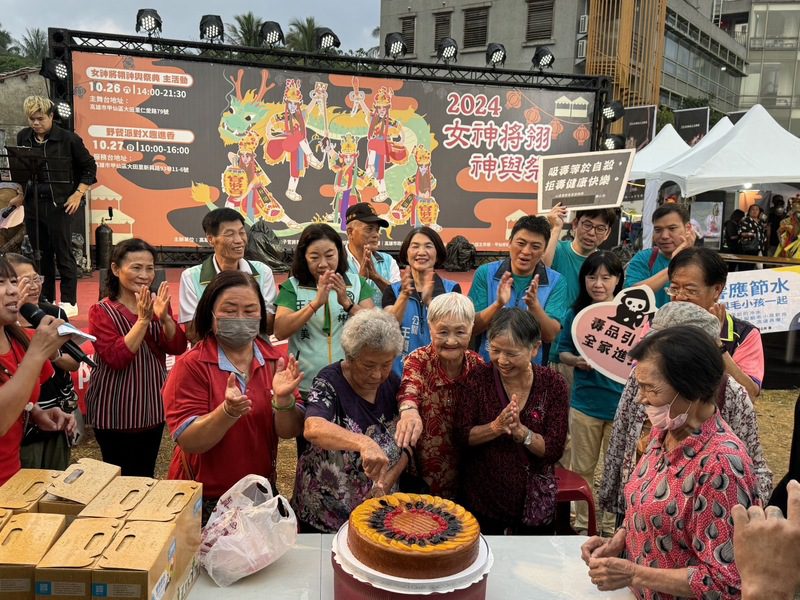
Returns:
<point x="264" y="245"/>
<point x="249" y="529"/>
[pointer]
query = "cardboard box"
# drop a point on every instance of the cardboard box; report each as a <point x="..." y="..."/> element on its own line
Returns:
<point x="139" y="564"/>
<point x="178" y="502"/>
<point x="65" y="572"/>
<point x="24" y="540"/>
<point x="5" y="515"/>
<point x="78" y="485"/>
<point x="22" y="492"/>
<point x="187" y="581"/>
<point x="118" y="498"/>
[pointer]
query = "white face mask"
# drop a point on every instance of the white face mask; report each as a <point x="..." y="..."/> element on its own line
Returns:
<point x="659" y="416"/>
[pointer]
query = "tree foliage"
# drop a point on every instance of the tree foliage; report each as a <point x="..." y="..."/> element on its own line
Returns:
<point x="302" y="35"/>
<point x="246" y="31"/>
<point x="34" y="44"/>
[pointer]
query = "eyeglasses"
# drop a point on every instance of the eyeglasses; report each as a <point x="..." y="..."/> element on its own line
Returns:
<point x="674" y="292"/>
<point x="37" y="279"/>
<point x="588" y="226"/>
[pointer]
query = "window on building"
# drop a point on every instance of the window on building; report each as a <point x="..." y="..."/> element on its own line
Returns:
<point x="407" y="26"/>
<point x="476" y="26"/>
<point x="441" y="27"/>
<point x="540" y="20"/>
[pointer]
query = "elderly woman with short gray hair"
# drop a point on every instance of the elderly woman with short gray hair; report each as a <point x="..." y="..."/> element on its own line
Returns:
<point x="351" y="414"/>
<point x="435" y="380"/>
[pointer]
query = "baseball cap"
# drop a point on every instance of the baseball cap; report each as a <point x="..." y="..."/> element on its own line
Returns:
<point x="364" y="212"/>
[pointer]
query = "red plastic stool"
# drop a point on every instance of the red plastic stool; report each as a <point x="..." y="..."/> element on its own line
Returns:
<point x="573" y="488"/>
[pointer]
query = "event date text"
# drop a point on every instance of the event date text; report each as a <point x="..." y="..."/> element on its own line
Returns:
<point x="136" y="90"/>
<point x="473" y="105"/>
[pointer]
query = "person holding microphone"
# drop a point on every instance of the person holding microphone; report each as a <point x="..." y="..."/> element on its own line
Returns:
<point x="24" y="366"/>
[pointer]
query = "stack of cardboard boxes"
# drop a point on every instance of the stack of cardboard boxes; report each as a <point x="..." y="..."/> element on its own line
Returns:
<point x="89" y="534"/>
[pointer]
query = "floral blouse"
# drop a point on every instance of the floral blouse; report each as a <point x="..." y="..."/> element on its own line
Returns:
<point x="620" y="460"/>
<point x="330" y="484"/>
<point x="679" y="509"/>
<point x="438" y="398"/>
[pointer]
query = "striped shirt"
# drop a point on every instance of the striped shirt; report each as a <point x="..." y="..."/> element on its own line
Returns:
<point x="125" y="388"/>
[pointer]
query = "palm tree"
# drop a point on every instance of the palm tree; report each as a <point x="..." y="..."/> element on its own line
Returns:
<point x="246" y="31"/>
<point x="34" y="44"/>
<point x="6" y="41"/>
<point x="302" y="35"/>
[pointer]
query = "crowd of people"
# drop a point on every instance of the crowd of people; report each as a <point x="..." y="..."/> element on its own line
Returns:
<point x="397" y="380"/>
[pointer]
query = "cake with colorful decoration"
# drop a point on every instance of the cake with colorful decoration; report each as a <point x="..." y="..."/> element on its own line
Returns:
<point x="413" y="536"/>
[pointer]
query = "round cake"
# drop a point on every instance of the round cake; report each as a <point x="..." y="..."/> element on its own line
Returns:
<point x="413" y="536"/>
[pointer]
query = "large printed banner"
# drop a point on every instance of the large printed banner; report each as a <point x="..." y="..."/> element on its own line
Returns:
<point x="174" y="139"/>
<point x="768" y="298"/>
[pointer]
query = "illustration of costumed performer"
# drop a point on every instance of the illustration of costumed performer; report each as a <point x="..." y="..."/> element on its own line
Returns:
<point x="286" y="134"/>
<point x="246" y="183"/>
<point x="385" y="138"/>
<point x="789" y="232"/>
<point x="349" y="177"/>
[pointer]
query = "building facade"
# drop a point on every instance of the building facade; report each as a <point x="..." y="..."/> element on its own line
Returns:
<point x="772" y="33"/>
<point x="654" y="51"/>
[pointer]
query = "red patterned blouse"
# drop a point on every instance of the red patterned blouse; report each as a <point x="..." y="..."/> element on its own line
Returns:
<point x="679" y="508"/>
<point x="426" y="384"/>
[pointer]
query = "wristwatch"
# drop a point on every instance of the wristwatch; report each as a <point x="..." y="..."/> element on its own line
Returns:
<point x="528" y="439"/>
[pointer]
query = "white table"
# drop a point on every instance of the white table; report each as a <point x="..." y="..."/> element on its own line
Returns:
<point x="545" y="568"/>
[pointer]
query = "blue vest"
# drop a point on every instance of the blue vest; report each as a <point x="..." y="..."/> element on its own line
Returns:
<point x="414" y="327"/>
<point x="548" y="278"/>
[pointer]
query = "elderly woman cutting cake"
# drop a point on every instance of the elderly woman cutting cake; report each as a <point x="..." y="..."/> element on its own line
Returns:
<point x="677" y="536"/>
<point x="435" y="380"/>
<point x="351" y="415"/>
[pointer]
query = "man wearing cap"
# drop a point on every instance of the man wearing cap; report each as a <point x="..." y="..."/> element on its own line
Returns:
<point x="363" y="258"/>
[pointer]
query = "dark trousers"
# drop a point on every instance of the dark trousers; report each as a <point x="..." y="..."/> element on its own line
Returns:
<point x="135" y="452"/>
<point x="51" y="233"/>
<point x="779" y="495"/>
<point x="490" y="526"/>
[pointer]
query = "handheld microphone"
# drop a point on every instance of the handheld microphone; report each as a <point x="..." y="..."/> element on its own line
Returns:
<point x="7" y="211"/>
<point x="34" y="315"/>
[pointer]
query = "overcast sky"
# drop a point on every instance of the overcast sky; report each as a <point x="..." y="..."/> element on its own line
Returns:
<point x="352" y="20"/>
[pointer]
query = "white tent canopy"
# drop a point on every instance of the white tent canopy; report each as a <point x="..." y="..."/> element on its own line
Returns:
<point x="757" y="150"/>
<point x="656" y="177"/>
<point x="666" y="146"/>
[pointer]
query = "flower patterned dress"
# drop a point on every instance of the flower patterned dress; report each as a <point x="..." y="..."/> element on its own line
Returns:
<point x="329" y="484"/>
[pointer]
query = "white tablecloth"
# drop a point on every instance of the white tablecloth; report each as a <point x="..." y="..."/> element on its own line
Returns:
<point x="544" y="568"/>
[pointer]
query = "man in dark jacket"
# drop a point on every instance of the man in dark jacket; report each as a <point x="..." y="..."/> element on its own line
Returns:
<point x="48" y="217"/>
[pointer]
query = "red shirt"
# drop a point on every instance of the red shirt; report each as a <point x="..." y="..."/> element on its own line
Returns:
<point x="195" y="387"/>
<point x="11" y="441"/>
<point x="679" y="504"/>
<point x="438" y="398"/>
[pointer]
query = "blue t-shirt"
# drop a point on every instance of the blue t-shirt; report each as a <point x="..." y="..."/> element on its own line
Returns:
<point x="639" y="269"/>
<point x="567" y="262"/>
<point x="593" y="393"/>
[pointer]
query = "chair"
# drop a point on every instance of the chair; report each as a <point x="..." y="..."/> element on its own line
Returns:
<point x="573" y="488"/>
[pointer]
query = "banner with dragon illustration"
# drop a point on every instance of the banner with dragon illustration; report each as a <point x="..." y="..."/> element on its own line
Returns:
<point x="174" y="139"/>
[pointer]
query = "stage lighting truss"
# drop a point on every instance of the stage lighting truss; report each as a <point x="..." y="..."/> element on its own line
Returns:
<point x="272" y="34"/>
<point x="447" y="50"/>
<point x="149" y="20"/>
<point x="212" y="28"/>
<point x="543" y="58"/>
<point x="394" y="45"/>
<point x="326" y="40"/>
<point x="495" y="54"/>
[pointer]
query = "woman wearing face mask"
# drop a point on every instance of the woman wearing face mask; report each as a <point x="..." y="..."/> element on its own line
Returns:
<point x="135" y="331"/>
<point x="232" y="395"/>
<point x="512" y="427"/>
<point x="408" y="300"/>
<point x="316" y="301"/>
<point x="678" y="533"/>
<point x="594" y="396"/>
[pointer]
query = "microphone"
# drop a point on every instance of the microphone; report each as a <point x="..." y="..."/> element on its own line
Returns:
<point x="7" y="211"/>
<point x="34" y="315"/>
